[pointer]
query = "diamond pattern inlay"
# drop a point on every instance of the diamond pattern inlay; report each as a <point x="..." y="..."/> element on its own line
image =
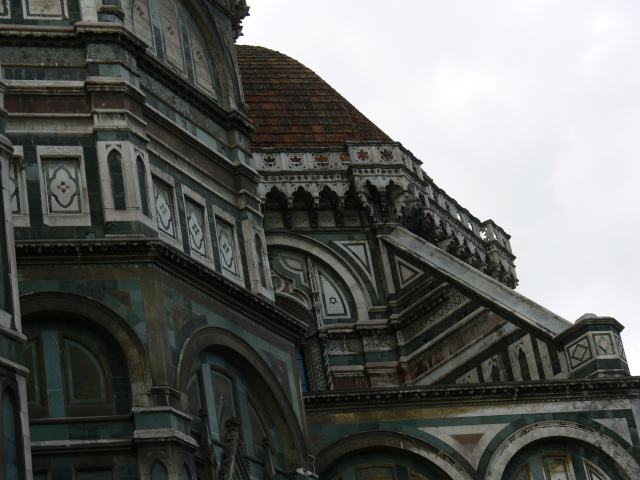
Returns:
<point x="164" y="209"/>
<point x="604" y="343"/>
<point x="196" y="228"/>
<point x="579" y="352"/>
<point x="225" y="244"/>
<point x="63" y="186"/>
<point x="620" y="347"/>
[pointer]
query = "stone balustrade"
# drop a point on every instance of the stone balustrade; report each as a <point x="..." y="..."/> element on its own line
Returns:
<point x="389" y="182"/>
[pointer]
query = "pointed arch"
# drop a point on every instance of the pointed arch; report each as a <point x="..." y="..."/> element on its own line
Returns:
<point x="186" y="473"/>
<point x="158" y="471"/>
<point x="143" y="188"/>
<point x="114" y="161"/>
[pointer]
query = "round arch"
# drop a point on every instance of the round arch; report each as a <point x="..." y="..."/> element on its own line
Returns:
<point x="390" y="441"/>
<point x="223" y="341"/>
<point x="343" y="269"/>
<point x="624" y="463"/>
<point x="78" y="306"/>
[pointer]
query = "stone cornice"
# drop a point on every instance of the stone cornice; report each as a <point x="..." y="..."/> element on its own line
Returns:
<point x="161" y="436"/>
<point x="141" y="251"/>
<point x="63" y="447"/>
<point x="583" y="324"/>
<point x="485" y="393"/>
<point x="83" y="33"/>
<point x="231" y="167"/>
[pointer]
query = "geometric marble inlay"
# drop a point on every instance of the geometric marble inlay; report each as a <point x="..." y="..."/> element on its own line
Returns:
<point x="620" y="347"/>
<point x="44" y="8"/>
<point x="604" y="343"/>
<point x="63" y="186"/>
<point x="273" y="220"/>
<point x="618" y="425"/>
<point x="226" y="247"/>
<point x="200" y="59"/>
<point x="579" y="352"/>
<point x="326" y="219"/>
<point x="196" y="228"/>
<point x="164" y="208"/>
<point x="332" y="298"/>
<point x="360" y="253"/>
<point x="470" y="441"/>
<point x="142" y="21"/>
<point x="172" y="34"/>
<point x="300" y="219"/>
<point x="407" y="273"/>
<point x="352" y="218"/>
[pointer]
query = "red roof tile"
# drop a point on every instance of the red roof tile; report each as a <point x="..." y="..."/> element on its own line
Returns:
<point x="288" y="101"/>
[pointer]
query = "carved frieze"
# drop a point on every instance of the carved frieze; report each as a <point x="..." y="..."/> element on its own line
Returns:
<point x="452" y="302"/>
<point x="390" y="186"/>
<point x="375" y="342"/>
<point x="344" y="346"/>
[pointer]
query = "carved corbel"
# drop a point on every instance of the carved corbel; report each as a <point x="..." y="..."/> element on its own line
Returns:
<point x="398" y="206"/>
<point x="314" y="212"/>
<point x="367" y="207"/>
<point x="340" y="212"/>
<point x="481" y="265"/>
<point x="496" y="270"/>
<point x="384" y="204"/>
<point x="446" y="242"/>
<point x="459" y="250"/>
<point x="509" y="279"/>
<point x="288" y="212"/>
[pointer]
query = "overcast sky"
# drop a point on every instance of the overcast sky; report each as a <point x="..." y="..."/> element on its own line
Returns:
<point x="525" y="111"/>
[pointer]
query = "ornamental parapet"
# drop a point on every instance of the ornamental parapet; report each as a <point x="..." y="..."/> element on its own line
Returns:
<point x="388" y="182"/>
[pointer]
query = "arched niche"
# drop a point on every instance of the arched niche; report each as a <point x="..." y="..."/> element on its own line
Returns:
<point x="237" y="351"/>
<point x="158" y="471"/>
<point x="300" y="276"/>
<point x="557" y="431"/>
<point x="394" y="444"/>
<point x="346" y="272"/>
<point x="66" y="307"/>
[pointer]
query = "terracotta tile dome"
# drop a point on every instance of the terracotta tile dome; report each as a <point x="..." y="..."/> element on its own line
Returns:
<point x="293" y="107"/>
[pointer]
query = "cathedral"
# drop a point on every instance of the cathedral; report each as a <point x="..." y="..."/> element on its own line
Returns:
<point x="214" y="267"/>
